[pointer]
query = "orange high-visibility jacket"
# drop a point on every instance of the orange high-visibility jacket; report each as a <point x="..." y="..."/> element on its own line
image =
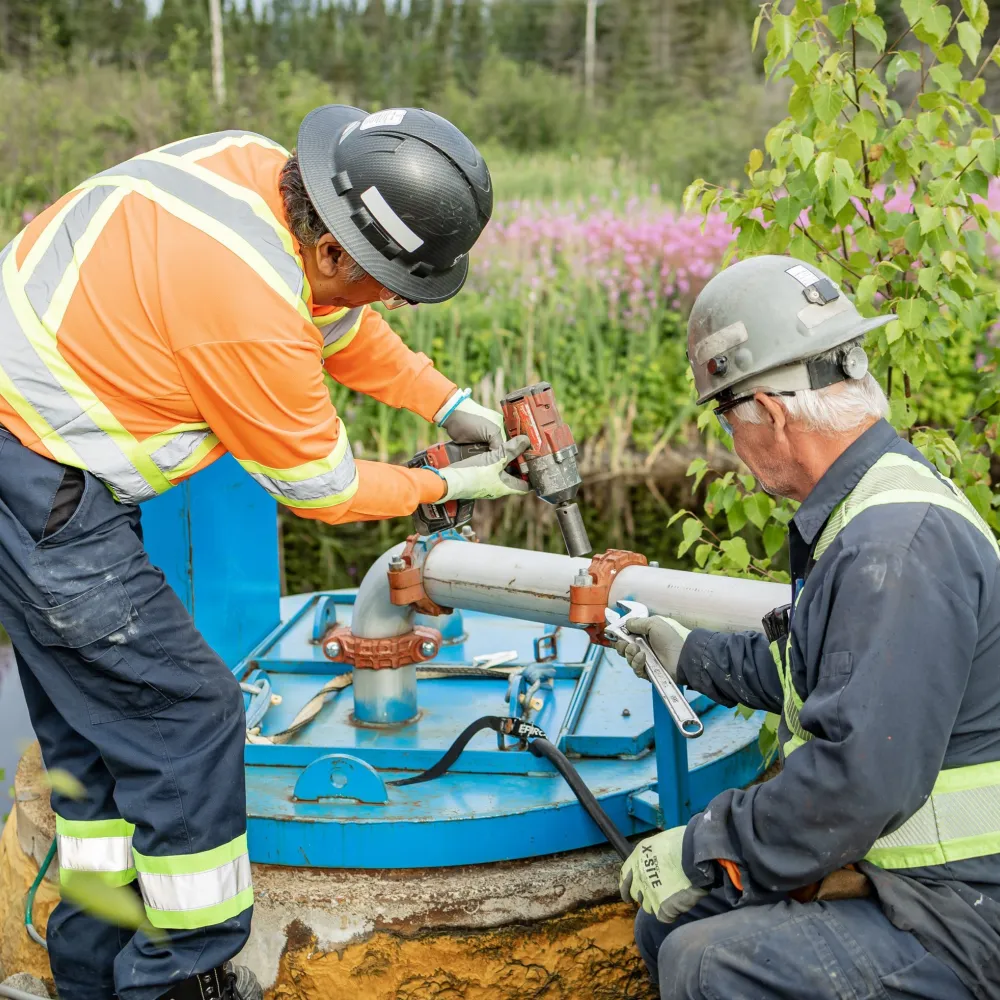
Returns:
<point x="158" y="316"/>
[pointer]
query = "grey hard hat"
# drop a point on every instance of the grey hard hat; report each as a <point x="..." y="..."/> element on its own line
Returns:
<point x="404" y="192"/>
<point x="761" y="322"/>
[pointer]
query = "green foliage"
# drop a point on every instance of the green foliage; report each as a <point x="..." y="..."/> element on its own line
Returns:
<point x="119" y="905"/>
<point x="740" y="532"/>
<point x="891" y="202"/>
<point x="63" y="783"/>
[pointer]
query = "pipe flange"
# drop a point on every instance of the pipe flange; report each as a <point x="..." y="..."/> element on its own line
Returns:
<point x="406" y="572"/>
<point x="343" y="646"/>
<point x="588" y="599"/>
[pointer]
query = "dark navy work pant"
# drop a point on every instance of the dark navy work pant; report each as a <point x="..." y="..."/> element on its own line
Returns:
<point x="843" y="950"/>
<point x="126" y="695"/>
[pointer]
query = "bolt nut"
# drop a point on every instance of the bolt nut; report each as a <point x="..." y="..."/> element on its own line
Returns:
<point x="718" y="366"/>
<point x="626" y="713"/>
<point x="428" y="648"/>
<point x="331" y="649"/>
<point x="654" y="564"/>
<point x="396" y="564"/>
<point x="583" y="579"/>
<point x="468" y="533"/>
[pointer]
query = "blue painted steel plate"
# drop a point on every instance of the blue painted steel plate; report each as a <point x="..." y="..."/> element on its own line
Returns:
<point x="493" y="805"/>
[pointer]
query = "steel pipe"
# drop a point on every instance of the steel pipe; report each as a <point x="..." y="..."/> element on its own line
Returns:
<point x="535" y="586"/>
<point x="382" y="697"/>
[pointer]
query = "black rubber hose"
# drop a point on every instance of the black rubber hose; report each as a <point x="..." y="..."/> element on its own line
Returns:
<point x="543" y="748"/>
<point x="493" y="722"/>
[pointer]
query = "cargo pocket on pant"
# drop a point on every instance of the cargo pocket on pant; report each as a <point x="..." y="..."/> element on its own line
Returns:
<point x="119" y="665"/>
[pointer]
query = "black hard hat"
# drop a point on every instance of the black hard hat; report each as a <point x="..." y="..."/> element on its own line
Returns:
<point x="403" y="191"/>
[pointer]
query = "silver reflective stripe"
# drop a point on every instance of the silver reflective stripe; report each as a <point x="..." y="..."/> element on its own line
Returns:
<point x="95" y="854"/>
<point x="971" y="812"/>
<point x="340" y="327"/>
<point x="58" y="256"/>
<point x="327" y="484"/>
<point x="176" y="893"/>
<point x="231" y="212"/>
<point x="210" y="139"/>
<point x="97" y="450"/>
<point x="180" y="448"/>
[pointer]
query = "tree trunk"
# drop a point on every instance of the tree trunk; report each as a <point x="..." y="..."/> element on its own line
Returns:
<point x="218" y="59"/>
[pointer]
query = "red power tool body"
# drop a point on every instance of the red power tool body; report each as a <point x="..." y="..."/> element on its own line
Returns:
<point x="549" y="465"/>
<point x="445" y="514"/>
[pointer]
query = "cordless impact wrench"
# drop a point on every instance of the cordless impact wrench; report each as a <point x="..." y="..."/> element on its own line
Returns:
<point x="548" y="466"/>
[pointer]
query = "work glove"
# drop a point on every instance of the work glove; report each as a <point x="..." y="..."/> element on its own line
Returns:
<point x="483" y="476"/>
<point x="466" y="422"/>
<point x="664" y="635"/>
<point x="654" y="878"/>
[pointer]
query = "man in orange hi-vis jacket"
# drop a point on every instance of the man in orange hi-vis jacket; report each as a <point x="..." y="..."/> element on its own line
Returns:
<point x="180" y="305"/>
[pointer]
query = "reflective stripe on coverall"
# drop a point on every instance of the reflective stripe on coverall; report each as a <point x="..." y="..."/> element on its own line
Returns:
<point x="961" y="818"/>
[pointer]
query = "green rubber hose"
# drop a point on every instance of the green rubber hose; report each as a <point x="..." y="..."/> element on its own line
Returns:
<point x="29" y="900"/>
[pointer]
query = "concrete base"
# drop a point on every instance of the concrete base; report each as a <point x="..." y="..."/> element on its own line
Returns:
<point x="546" y="927"/>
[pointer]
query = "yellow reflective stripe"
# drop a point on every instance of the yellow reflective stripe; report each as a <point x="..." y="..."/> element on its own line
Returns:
<point x="258" y="205"/>
<point x="925" y="855"/>
<point x="194" y="459"/>
<point x="324" y="482"/>
<point x="333" y="500"/>
<point x="44" y="344"/>
<point x="322" y="321"/>
<point x="228" y="143"/>
<point x="211" y="227"/>
<point x="157" y="443"/>
<point x="914" y="496"/>
<point x="971" y="776"/>
<point x="307" y="470"/>
<point x="44" y="241"/>
<point x="256" y="202"/>
<point x="53" y="317"/>
<point x="58" y="448"/>
<point x="345" y="340"/>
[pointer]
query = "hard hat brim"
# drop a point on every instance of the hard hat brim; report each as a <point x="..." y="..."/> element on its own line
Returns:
<point x="318" y="136"/>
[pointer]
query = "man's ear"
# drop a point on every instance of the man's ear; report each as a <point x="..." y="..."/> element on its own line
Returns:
<point x="328" y="255"/>
<point x="774" y="409"/>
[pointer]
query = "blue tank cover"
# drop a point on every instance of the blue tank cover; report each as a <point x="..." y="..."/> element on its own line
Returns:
<point x="323" y="799"/>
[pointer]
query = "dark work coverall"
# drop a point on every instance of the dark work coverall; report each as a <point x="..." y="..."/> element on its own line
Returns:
<point x="896" y="653"/>
<point x="125" y="695"/>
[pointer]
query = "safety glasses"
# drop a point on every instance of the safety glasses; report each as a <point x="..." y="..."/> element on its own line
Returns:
<point x="393" y="301"/>
<point x="723" y="408"/>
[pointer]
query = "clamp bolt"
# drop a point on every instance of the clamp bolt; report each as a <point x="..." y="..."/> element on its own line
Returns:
<point x="427" y="648"/>
<point x="583" y="579"/>
<point x="654" y="564"/>
<point x="331" y="649"/>
<point x="396" y="564"/>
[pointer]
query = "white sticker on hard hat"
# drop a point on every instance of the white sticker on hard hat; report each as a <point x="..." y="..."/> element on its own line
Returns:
<point x="391" y="116"/>
<point x="803" y="275"/>
<point x="384" y="215"/>
<point x="347" y="131"/>
<point x="724" y="339"/>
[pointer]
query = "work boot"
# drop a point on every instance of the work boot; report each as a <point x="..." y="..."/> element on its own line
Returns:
<point x="227" y="982"/>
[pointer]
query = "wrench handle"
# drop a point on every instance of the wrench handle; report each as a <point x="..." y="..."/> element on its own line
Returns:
<point x="684" y="716"/>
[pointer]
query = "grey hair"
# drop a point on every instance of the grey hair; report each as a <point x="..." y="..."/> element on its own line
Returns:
<point x="303" y="219"/>
<point x="834" y="409"/>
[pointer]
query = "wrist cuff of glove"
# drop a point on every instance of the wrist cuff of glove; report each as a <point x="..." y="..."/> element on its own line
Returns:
<point x="451" y="404"/>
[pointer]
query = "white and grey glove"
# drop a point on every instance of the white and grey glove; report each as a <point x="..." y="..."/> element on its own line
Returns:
<point x="664" y="635"/>
<point x="483" y="476"/>
<point x="466" y="422"/>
